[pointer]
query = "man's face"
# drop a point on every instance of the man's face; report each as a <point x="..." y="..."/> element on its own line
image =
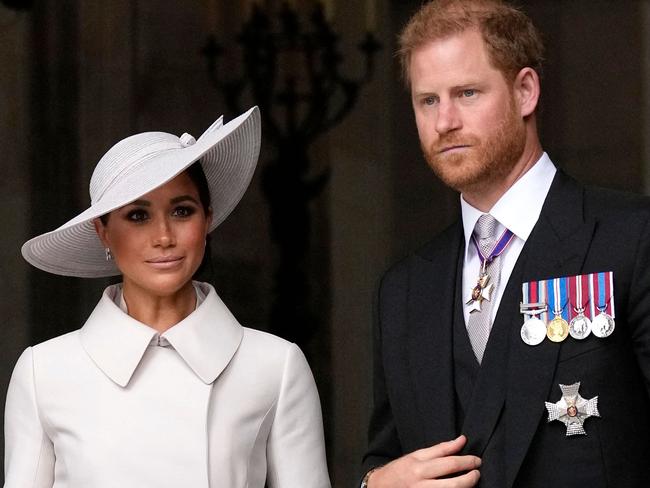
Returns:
<point x="470" y="127"/>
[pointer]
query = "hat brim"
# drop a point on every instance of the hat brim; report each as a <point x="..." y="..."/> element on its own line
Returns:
<point x="228" y="155"/>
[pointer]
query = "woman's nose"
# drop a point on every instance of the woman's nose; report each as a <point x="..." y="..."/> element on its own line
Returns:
<point x="164" y="234"/>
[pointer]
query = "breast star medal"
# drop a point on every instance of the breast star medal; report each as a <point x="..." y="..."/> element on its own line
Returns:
<point x="572" y="410"/>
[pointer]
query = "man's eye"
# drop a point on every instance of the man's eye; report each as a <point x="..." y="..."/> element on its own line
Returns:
<point x="137" y="215"/>
<point x="183" y="211"/>
<point x="469" y="93"/>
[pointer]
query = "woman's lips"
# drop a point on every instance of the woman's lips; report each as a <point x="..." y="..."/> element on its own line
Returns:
<point x="164" y="262"/>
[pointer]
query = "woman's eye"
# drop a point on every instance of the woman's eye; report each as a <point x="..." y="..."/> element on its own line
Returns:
<point x="183" y="211"/>
<point x="429" y="100"/>
<point x="137" y="215"/>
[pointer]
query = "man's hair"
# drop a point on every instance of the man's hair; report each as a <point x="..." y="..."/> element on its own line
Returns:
<point x="511" y="39"/>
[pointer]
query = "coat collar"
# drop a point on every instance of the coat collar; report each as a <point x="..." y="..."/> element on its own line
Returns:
<point x="206" y="340"/>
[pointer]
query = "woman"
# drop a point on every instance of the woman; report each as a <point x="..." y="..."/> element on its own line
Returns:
<point x="161" y="387"/>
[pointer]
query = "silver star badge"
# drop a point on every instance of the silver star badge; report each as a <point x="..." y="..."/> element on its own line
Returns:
<point x="572" y="410"/>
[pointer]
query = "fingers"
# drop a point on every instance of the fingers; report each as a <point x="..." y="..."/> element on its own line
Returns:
<point x="441" y="450"/>
<point x="466" y="480"/>
<point x="448" y="465"/>
<point x="424" y="467"/>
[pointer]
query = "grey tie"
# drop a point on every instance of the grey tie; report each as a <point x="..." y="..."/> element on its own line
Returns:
<point x="480" y="321"/>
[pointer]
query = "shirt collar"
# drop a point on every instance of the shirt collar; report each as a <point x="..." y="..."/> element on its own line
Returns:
<point x="519" y="207"/>
<point x="206" y="340"/>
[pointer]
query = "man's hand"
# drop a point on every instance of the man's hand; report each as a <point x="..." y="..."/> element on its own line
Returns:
<point x="423" y="468"/>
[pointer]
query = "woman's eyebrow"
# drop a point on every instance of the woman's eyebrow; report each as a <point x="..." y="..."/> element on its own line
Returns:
<point x="183" y="198"/>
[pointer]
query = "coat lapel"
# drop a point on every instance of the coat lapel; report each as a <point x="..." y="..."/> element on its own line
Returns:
<point x="557" y="247"/>
<point x="430" y="334"/>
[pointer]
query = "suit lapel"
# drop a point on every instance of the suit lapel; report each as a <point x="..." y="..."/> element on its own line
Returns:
<point x="430" y="334"/>
<point x="557" y="247"/>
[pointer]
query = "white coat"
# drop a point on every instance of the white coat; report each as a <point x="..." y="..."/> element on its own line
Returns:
<point x="208" y="403"/>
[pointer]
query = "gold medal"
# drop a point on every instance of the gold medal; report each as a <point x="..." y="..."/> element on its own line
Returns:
<point x="557" y="329"/>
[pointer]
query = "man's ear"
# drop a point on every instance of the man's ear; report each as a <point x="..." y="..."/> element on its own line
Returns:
<point x="526" y="90"/>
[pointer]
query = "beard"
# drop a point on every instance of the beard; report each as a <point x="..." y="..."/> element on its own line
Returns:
<point x="486" y="162"/>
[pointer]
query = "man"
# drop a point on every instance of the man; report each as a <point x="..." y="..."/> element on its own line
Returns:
<point x="463" y="395"/>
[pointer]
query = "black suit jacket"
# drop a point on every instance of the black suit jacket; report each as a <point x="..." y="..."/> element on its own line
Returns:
<point x="580" y="230"/>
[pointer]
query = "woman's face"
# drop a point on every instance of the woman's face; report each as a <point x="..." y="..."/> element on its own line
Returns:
<point x="158" y="241"/>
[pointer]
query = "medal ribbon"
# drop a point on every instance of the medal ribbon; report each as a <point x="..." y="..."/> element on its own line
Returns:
<point x="557" y="297"/>
<point x="577" y="287"/>
<point x="501" y="245"/>
<point x="603" y="284"/>
<point x="594" y="292"/>
<point x="542" y="299"/>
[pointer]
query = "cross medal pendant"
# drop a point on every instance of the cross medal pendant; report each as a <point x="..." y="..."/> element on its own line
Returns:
<point x="482" y="290"/>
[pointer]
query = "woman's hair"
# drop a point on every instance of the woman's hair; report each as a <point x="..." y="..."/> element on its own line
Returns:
<point x="512" y="40"/>
<point x="197" y="175"/>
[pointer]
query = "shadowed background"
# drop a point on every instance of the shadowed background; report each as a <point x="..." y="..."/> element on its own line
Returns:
<point x="76" y="77"/>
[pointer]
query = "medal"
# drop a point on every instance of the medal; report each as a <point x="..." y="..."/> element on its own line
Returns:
<point x="580" y="325"/>
<point x="603" y="324"/>
<point x="482" y="291"/>
<point x="483" y="288"/>
<point x="572" y="410"/>
<point x="557" y="329"/>
<point x="533" y="331"/>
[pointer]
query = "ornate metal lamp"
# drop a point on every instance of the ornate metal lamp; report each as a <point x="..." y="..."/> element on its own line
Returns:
<point x="291" y="69"/>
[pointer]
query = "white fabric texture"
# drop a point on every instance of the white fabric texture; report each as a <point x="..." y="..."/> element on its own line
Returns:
<point x="219" y="405"/>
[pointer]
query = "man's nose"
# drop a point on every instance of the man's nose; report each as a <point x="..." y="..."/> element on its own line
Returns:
<point x="448" y="117"/>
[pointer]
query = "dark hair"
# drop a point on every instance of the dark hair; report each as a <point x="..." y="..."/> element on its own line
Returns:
<point x="197" y="175"/>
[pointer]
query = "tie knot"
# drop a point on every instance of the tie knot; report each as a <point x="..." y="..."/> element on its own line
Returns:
<point x="485" y="233"/>
<point x="486" y="227"/>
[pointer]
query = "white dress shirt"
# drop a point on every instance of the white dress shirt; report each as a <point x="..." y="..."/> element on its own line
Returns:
<point x="518" y="210"/>
<point x="208" y="403"/>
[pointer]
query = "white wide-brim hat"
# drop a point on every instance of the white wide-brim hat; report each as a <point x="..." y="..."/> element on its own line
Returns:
<point x="139" y="164"/>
